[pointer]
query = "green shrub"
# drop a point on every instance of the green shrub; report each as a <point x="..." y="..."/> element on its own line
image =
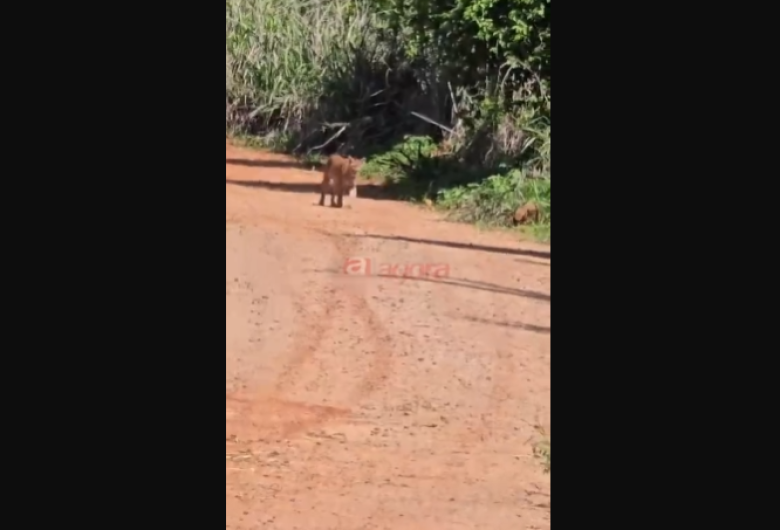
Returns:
<point x="390" y="80"/>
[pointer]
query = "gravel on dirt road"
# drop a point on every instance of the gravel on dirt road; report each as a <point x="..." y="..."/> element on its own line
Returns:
<point x="383" y="369"/>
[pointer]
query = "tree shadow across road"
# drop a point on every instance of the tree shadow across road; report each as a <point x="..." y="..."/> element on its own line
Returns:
<point x="455" y="282"/>
<point x="264" y="163"/>
<point x="511" y="325"/>
<point x="479" y="286"/>
<point x="541" y="254"/>
<point x="371" y="191"/>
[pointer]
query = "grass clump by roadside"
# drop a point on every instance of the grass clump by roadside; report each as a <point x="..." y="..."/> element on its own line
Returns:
<point x="418" y="170"/>
<point x="542" y="448"/>
<point x="542" y="452"/>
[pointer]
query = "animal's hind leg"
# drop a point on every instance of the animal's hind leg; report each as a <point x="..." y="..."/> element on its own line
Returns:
<point x="323" y="191"/>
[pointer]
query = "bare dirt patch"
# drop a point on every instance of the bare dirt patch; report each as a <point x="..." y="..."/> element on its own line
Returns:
<point x="368" y="401"/>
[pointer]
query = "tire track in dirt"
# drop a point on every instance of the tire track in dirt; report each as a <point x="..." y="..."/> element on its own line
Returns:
<point x="314" y="324"/>
<point x="490" y="384"/>
<point x="253" y="414"/>
<point x="383" y="357"/>
<point x="269" y="411"/>
<point x="499" y="395"/>
<point x="350" y="431"/>
<point x="502" y="365"/>
<point x="284" y="419"/>
<point x="320" y="322"/>
<point x="340" y="303"/>
<point x="499" y="368"/>
<point x="317" y="308"/>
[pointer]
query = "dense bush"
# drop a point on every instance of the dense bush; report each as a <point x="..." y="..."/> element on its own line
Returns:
<point x="438" y="95"/>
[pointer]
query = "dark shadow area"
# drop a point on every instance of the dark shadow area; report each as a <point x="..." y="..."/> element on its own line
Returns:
<point x="532" y="262"/>
<point x="375" y="192"/>
<point x="367" y="110"/>
<point x="364" y="108"/>
<point x="542" y="254"/>
<point x="264" y="163"/>
<point x="420" y="176"/>
<point x="479" y="286"/>
<point x="457" y="282"/>
<point x="512" y="325"/>
<point x="290" y="187"/>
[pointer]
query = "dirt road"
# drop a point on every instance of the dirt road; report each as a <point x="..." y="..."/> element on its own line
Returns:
<point x="361" y="401"/>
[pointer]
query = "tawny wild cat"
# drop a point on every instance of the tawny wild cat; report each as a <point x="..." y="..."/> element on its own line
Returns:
<point x="339" y="176"/>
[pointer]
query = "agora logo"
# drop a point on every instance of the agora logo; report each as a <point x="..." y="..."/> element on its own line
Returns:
<point x="368" y="267"/>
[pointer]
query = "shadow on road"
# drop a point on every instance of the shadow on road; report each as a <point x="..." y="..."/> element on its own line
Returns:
<point x="512" y="325"/>
<point x="542" y="254"/>
<point x="479" y="286"/>
<point x="453" y="282"/>
<point x="365" y="191"/>
<point x="265" y="163"/>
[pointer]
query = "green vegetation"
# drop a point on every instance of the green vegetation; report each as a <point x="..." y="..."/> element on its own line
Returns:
<point x="447" y="100"/>
<point x="542" y="452"/>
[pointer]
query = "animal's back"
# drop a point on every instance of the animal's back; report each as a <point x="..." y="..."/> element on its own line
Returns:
<point x="340" y="171"/>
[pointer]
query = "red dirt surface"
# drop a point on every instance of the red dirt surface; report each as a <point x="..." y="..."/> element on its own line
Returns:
<point x="368" y="402"/>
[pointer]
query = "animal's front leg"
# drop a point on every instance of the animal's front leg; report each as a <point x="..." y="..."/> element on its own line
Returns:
<point x="323" y="191"/>
<point x="352" y="194"/>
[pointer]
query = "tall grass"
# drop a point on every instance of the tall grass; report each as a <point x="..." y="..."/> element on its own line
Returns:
<point x="288" y="62"/>
<point x="304" y="75"/>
